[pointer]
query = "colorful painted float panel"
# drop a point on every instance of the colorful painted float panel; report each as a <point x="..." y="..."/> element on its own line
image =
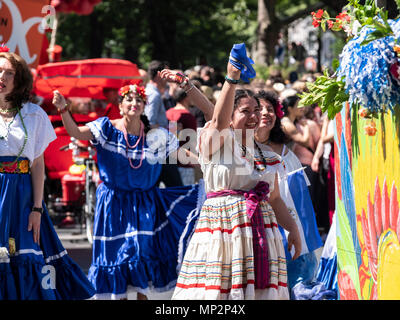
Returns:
<point x="367" y="170"/>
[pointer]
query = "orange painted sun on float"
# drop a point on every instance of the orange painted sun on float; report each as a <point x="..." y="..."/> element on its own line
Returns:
<point x="380" y="228"/>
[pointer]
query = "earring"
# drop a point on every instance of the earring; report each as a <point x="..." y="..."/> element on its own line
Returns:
<point x="121" y="113"/>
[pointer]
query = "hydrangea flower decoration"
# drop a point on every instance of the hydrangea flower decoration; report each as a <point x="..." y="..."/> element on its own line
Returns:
<point x="367" y="69"/>
<point x="367" y="74"/>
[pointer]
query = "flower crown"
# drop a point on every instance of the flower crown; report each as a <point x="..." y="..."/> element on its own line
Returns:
<point x="135" y="89"/>
<point x="278" y="110"/>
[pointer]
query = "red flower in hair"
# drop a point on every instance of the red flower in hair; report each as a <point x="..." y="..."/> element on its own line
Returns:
<point x="278" y="110"/>
<point x="4" y="48"/>
<point x="123" y="90"/>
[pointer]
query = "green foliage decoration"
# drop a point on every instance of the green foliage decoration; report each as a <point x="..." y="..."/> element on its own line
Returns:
<point x="327" y="91"/>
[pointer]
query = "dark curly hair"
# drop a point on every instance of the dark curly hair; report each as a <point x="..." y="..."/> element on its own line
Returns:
<point x="23" y="80"/>
<point x="146" y="123"/>
<point x="243" y="93"/>
<point x="276" y="135"/>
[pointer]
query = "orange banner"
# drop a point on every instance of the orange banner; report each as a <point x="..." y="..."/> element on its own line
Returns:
<point x="22" y="27"/>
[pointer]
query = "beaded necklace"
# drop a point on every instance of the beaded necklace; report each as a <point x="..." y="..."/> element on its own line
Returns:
<point x="25" y="138"/>
<point x="258" y="167"/>
<point x="128" y="146"/>
<point x="8" y="110"/>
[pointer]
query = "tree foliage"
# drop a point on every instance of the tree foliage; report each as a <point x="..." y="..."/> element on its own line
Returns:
<point x="180" y="32"/>
<point x="184" y="33"/>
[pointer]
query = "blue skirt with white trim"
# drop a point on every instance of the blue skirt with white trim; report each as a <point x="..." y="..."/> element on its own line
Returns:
<point x="31" y="271"/>
<point x="140" y="238"/>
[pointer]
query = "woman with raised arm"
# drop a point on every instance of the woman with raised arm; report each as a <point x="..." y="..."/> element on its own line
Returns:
<point x="236" y="251"/>
<point x="140" y="230"/>
<point x="33" y="263"/>
<point x="293" y="188"/>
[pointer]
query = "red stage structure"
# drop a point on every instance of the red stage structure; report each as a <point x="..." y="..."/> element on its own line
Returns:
<point x="84" y="78"/>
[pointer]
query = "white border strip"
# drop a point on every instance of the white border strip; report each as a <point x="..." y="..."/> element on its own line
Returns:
<point x="147" y="233"/>
<point x="37" y="253"/>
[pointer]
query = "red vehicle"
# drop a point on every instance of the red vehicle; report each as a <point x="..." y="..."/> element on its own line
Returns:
<point x="71" y="171"/>
<point x="71" y="178"/>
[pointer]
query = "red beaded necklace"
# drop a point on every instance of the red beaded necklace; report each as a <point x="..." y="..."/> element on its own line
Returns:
<point x="141" y="136"/>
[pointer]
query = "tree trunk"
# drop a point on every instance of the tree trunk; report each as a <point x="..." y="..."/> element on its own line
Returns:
<point x="263" y="21"/>
<point x="267" y="32"/>
<point x="131" y="44"/>
<point x="269" y="26"/>
<point x="96" y="36"/>
<point x="319" y="51"/>
<point x="162" y="23"/>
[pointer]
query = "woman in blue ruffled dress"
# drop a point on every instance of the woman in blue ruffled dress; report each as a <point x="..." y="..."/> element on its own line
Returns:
<point x="33" y="263"/>
<point x="140" y="230"/>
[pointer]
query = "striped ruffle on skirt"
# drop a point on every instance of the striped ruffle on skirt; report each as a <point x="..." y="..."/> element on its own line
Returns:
<point x="140" y="238"/>
<point x="219" y="261"/>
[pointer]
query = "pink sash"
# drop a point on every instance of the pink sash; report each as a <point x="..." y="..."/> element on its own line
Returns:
<point x="260" y="246"/>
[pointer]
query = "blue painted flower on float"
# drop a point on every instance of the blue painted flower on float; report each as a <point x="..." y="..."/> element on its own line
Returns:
<point x="366" y="69"/>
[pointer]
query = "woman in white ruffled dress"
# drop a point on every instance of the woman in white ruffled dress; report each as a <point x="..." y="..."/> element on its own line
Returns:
<point x="236" y="251"/>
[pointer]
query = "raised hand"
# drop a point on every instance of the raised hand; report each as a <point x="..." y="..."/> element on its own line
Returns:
<point x="58" y="100"/>
<point x="173" y="76"/>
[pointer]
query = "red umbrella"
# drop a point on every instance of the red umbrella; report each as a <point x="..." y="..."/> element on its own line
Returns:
<point x="84" y="78"/>
<point x="82" y="7"/>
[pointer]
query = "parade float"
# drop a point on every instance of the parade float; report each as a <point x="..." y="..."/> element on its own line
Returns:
<point x="362" y="97"/>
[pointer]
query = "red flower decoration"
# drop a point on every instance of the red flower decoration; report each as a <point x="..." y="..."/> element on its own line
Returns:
<point x="123" y="90"/>
<point x="4" y="48"/>
<point x="363" y="112"/>
<point x="343" y="16"/>
<point x="315" y="23"/>
<point x="317" y="17"/>
<point x="370" y="129"/>
<point x="278" y="110"/>
<point x="137" y="90"/>
<point x="9" y="168"/>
